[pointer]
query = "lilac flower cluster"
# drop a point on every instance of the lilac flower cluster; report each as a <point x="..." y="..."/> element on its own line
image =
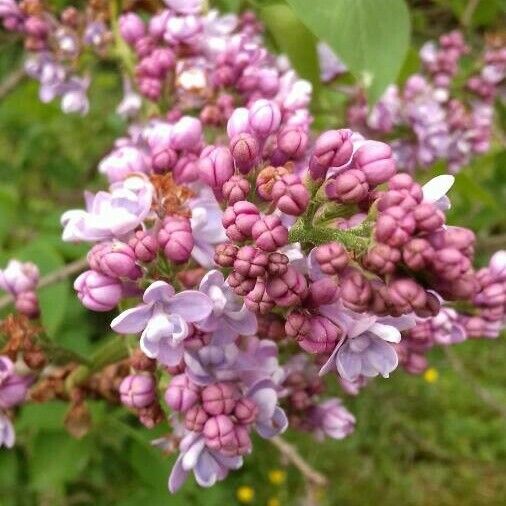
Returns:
<point x="20" y="280"/>
<point x="55" y="43"/>
<point x="433" y="116"/>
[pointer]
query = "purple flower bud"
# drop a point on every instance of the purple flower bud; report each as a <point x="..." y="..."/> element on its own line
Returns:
<point x="331" y="257"/>
<point x="290" y="195"/>
<point x="264" y="117"/>
<point x="186" y="133"/>
<point x="238" y="122"/>
<point x="450" y="263"/>
<point x="240" y="284"/>
<point x="225" y="254"/>
<point x="278" y="263"/>
<point x="19" y="277"/>
<point x="97" y="291"/>
<point x="150" y="88"/>
<point x="131" y="27"/>
<point x="114" y="259"/>
<point x="245" y="411"/>
<point x="428" y="217"/>
<point x="356" y="291"/>
<point x="236" y="189"/>
<point x="216" y="167"/>
<point x="292" y="142"/>
<point x="219" y="399"/>
<point x="245" y="150"/>
<point x="137" y="390"/>
<point x="297" y="325"/>
<point x="13" y="389"/>
<point x="144" y="245"/>
<point x="239" y="219"/>
<point x="163" y="159"/>
<point x="181" y="394"/>
<point x="144" y="46"/>
<point x="269" y="233"/>
<point x="349" y="187"/>
<point x="241" y="443"/>
<point x="322" y="337"/>
<point x="195" y="419"/>
<point x="395" y="226"/>
<point x="406" y="294"/>
<point x="250" y="262"/>
<point x="418" y="254"/>
<point x="186" y="169"/>
<point x="288" y="289"/>
<point x="382" y="259"/>
<point x="176" y="239"/>
<point x="27" y="303"/>
<point x="333" y="148"/>
<point x="219" y="432"/>
<point x="375" y="160"/>
<point x="258" y="300"/>
<point x="322" y="292"/>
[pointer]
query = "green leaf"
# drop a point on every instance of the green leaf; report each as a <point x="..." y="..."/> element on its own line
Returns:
<point x="52" y="299"/>
<point x="371" y="36"/>
<point x="293" y="39"/>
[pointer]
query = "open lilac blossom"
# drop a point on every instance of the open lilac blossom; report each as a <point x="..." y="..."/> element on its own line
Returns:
<point x="110" y="214"/>
<point x="163" y="320"/>
<point x="229" y="317"/>
<point x="435" y="190"/>
<point x="332" y="419"/>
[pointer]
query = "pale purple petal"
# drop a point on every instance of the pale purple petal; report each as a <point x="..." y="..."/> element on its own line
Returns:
<point x="349" y="364"/>
<point x="177" y="476"/>
<point x="158" y="291"/>
<point x="192" y="305"/>
<point x="132" y="321"/>
<point x="386" y="332"/>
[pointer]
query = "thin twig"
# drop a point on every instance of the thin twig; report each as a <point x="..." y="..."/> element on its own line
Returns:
<point x="485" y="396"/>
<point x="53" y="277"/>
<point x="11" y="81"/>
<point x="288" y="451"/>
<point x="468" y="13"/>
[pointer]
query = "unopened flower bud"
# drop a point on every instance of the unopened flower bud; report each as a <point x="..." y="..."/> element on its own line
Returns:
<point x="322" y="337"/>
<point x="219" y="398"/>
<point x="225" y="254"/>
<point x="195" y="419"/>
<point x="239" y="219"/>
<point x="97" y="291"/>
<point x="137" y="390"/>
<point x="349" y="187"/>
<point x="131" y="27"/>
<point x="288" y="289"/>
<point x="163" y="159"/>
<point x="27" y="303"/>
<point x="375" y="160"/>
<point x="356" y="291"/>
<point x="290" y="195"/>
<point x="176" y="239"/>
<point x="267" y="178"/>
<point x="245" y="411"/>
<point x="264" y="117"/>
<point x="236" y="189"/>
<point x="216" y="167"/>
<point x="292" y="142"/>
<point x="240" y="284"/>
<point x="332" y="149"/>
<point x="395" y="226"/>
<point x="406" y="294"/>
<point x="245" y="150"/>
<point x="250" y="262"/>
<point x="418" y="254"/>
<point x="382" y="259"/>
<point x="331" y="257"/>
<point x="181" y="394"/>
<point x="219" y="432"/>
<point x="297" y="325"/>
<point x="278" y="263"/>
<point x="269" y="233"/>
<point x="258" y="300"/>
<point x="428" y="217"/>
<point x="322" y="292"/>
<point x="144" y="245"/>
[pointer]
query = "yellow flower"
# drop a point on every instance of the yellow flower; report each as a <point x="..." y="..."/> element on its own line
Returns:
<point x="245" y="494"/>
<point x="431" y="375"/>
<point x="273" y="501"/>
<point x="277" y="476"/>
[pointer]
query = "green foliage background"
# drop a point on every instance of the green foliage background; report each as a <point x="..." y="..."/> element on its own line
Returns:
<point x="416" y="443"/>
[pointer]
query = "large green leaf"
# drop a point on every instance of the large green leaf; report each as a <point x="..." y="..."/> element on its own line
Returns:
<point x="293" y="39"/>
<point x="371" y="36"/>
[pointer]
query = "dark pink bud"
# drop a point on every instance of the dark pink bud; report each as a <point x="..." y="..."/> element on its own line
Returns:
<point x="239" y="219"/>
<point x="219" y="432"/>
<point x="186" y="171"/>
<point x="459" y="238"/>
<point x="431" y="308"/>
<point x="245" y="150"/>
<point x="382" y="259"/>
<point x="236" y="189"/>
<point x="356" y="291"/>
<point x="219" y="398"/>
<point x="290" y="195"/>
<point x="322" y="337"/>
<point x="292" y="142"/>
<point x="245" y="411"/>
<point x="181" y="394"/>
<point x="278" y="263"/>
<point x="114" y="259"/>
<point x="225" y="254"/>
<point x="195" y="419"/>
<point x="349" y="187"/>
<point x="163" y="159"/>
<point x="240" y="284"/>
<point x="251" y="262"/>
<point x="176" y="239"/>
<point x="375" y="160"/>
<point x="428" y="217"/>
<point x="258" y="300"/>
<point x="380" y="300"/>
<point x="288" y="289"/>
<point x="97" y="291"/>
<point x="395" y="226"/>
<point x="333" y="148"/>
<point x="269" y="233"/>
<point x="131" y="27"/>
<point x="137" y="390"/>
<point x="464" y="287"/>
<point x="406" y="294"/>
<point x="144" y="245"/>
<point x="27" y="303"/>
<point x="216" y="167"/>
<point x="322" y="292"/>
<point x="418" y="254"/>
<point x="331" y="257"/>
<point x="297" y="325"/>
<point x="240" y="444"/>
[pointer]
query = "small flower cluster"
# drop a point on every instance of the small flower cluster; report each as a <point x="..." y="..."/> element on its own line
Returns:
<point x="55" y="44"/>
<point x="433" y="116"/>
<point x="19" y="280"/>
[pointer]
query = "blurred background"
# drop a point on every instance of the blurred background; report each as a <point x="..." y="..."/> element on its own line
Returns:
<point x="434" y="439"/>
